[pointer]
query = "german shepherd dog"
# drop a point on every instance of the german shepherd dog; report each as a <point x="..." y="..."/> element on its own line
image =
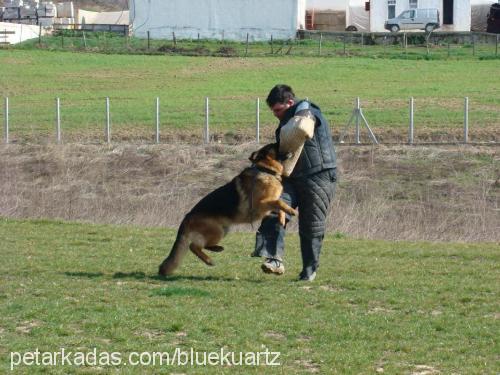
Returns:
<point x="248" y="197"/>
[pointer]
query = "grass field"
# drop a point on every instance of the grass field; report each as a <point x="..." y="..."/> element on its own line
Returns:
<point x="32" y="79"/>
<point x="391" y="307"/>
<point x="390" y="46"/>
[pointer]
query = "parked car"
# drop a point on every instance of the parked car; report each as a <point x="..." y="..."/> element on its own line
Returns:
<point x="415" y="19"/>
<point x="493" y="22"/>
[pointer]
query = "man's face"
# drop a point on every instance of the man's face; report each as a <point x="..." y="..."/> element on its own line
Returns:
<point x="279" y="109"/>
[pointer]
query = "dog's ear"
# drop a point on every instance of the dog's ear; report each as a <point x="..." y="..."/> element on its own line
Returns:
<point x="253" y="156"/>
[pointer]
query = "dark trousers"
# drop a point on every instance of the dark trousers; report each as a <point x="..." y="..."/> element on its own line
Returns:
<point x="313" y="196"/>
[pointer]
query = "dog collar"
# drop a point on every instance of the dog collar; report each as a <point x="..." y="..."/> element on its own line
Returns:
<point x="267" y="170"/>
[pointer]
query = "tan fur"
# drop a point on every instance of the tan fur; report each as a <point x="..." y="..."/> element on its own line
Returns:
<point x="258" y="194"/>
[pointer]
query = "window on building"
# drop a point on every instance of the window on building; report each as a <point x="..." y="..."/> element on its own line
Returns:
<point x="413" y="4"/>
<point x="391" y="8"/>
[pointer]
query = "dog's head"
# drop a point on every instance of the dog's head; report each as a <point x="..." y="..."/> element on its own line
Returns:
<point x="269" y="156"/>
<point x="268" y="152"/>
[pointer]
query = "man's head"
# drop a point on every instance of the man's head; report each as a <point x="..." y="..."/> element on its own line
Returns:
<point x="280" y="98"/>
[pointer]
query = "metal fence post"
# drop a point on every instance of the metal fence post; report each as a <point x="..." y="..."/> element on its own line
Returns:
<point x="358" y="106"/>
<point x="207" y="113"/>
<point x="411" y="130"/>
<point x="6" y="120"/>
<point x="320" y="43"/>
<point x="58" y="120"/>
<point x="257" y="116"/>
<point x="108" y="126"/>
<point x="466" y="119"/>
<point x="157" y="120"/>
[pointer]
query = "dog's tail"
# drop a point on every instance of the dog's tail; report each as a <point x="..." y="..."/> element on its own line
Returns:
<point x="180" y="247"/>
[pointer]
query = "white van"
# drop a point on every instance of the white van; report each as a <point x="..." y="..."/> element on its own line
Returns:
<point x="419" y="19"/>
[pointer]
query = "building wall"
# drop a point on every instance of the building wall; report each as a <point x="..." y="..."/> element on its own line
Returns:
<point x="326" y="4"/>
<point x="21" y="32"/>
<point x="214" y="19"/>
<point x="461" y="13"/>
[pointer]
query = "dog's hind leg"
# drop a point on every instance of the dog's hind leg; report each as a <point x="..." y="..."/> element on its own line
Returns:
<point x="197" y="250"/>
<point x="215" y="248"/>
<point x="214" y="236"/>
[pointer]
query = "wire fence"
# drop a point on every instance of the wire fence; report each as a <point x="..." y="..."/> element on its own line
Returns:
<point x="406" y="45"/>
<point x="240" y="119"/>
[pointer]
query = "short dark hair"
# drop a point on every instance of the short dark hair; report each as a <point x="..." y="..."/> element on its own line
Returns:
<point x="280" y="94"/>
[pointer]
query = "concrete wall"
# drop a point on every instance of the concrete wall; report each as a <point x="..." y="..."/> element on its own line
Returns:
<point x="461" y="13"/>
<point x="21" y="32"/>
<point x="215" y="18"/>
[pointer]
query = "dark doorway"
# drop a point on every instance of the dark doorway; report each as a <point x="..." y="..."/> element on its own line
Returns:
<point x="447" y="12"/>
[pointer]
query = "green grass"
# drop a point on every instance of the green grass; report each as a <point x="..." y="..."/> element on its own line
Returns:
<point x="444" y="47"/>
<point x="33" y="78"/>
<point x="375" y="304"/>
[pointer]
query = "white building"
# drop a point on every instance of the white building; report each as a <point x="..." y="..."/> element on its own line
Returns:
<point x="455" y="15"/>
<point x="217" y="19"/>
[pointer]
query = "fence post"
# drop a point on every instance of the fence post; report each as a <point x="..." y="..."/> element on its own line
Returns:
<point x="40" y="36"/>
<point x="257" y="118"/>
<point x="411" y="130"/>
<point x="405" y="39"/>
<point x="246" y="47"/>
<point x="466" y="119"/>
<point x="272" y="47"/>
<point x="496" y="45"/>
<point x="6" y="120"/>
<point x="58" y="120"/>
<point x="344" y="44"/>
<point x="108" y="126"/>
<point x="320" y="43"/>
<point x="157" y="120"/>
<point x="207" y="113"/>
<point x="358" y="106"/>
<point x="473" y="45"/>
<point x="149" y="41"/>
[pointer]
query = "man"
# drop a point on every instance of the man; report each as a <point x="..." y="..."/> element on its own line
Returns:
<point x="310" y="187"/>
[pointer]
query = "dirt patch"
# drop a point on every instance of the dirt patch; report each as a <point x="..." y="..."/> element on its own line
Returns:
<point x="308" y="366"/>
<point x="275" y="335"/>
<point x="27" y="326"/>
